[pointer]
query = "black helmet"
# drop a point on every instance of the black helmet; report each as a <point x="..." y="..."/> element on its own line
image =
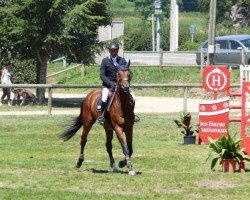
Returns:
<point x="113" y="45"/>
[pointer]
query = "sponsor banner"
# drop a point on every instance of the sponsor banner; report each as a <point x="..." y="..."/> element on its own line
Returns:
<point x="216" y="79"/>
<point x="213" y="119"/>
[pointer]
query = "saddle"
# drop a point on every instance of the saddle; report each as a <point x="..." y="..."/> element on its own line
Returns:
<point x="109" y="101"/>
<point x="101" y="119"/>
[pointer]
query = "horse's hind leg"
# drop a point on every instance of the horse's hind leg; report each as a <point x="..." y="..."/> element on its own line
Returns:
<point x="109" y="138"/>
<point x="83" y="142"/>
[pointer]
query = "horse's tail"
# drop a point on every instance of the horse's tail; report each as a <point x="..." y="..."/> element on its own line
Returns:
<point x="74" y="127"/>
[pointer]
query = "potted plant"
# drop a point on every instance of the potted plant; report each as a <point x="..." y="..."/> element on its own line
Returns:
<point x="228" y="151"/>
<point x="187" y="126"/>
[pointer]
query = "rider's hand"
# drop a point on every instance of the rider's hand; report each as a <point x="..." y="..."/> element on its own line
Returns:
<point x="112" y="86"/>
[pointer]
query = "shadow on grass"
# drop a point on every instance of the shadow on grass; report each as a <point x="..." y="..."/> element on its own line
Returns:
<point x="101" y="171"/>
<point x="67" y="102"/>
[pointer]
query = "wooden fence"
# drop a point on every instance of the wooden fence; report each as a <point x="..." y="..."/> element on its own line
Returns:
<point x="50" y="88"/>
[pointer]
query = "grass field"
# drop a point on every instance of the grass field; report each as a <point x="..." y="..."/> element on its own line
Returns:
<point x="141" y="75"/>
<point x="35" y="164"/>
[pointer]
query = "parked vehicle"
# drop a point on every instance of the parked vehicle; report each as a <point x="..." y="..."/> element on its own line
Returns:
<point x="229" y="52"/>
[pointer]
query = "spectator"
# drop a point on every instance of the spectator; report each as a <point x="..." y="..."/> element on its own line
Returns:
<point x="6" y="79"/>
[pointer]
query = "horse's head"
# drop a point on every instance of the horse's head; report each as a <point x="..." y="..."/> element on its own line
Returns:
<point x="124" y="77"/>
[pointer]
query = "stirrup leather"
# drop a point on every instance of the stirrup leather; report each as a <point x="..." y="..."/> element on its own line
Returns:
<point x="137" y="118"/>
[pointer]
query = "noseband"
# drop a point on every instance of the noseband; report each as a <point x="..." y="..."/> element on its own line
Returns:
<point x="124" y="79"/>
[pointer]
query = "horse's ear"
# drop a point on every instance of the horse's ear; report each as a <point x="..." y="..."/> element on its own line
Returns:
<point x="124" y="67"/>
<point x="128" y="64"/>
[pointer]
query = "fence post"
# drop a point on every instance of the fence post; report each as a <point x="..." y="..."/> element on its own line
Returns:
<point x="243" y="57"/>
<point x="202" y="59"/>
<point x="50" y="101"/>
<point x="185" y="94"/>
<point x="82" y="70"/>
<point x="161" y="59"/>
<point x="64" y="62"/>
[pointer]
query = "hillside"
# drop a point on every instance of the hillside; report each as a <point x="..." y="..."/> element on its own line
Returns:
<point x="141" y="75"/>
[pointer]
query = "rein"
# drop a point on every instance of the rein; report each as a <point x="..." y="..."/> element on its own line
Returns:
<point x="112" y="98"/>
<point x="113" y="94"/>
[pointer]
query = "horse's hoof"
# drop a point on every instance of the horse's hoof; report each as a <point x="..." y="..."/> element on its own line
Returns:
<point x="129" y="165"/>
<point x="114" y="168"/>
<point x="131" y="173"/>
<point x="79" y="163"/>
<point x="122" y="163"/>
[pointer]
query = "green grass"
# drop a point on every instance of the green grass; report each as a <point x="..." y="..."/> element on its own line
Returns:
<point x="141" y="75"/>
<point x="123" y="9"/>
<point x="34" y="164"/>
<point x="193" y="18"/>
<point x="57" y="66"/>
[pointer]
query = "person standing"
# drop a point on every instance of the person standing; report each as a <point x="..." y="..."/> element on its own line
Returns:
<point x="6" y="79"/>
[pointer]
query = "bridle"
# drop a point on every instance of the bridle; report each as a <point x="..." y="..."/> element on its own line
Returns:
<point x="124" y="86"/>
<point x="124" y="82"/>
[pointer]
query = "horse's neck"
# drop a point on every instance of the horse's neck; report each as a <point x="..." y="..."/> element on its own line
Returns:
<point x="123" y="99"/>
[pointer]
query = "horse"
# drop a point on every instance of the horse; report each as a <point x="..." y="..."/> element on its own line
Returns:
<point x="119" y="118"/>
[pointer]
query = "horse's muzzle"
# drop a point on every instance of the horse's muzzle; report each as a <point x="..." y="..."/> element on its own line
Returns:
<point x="125" y="88"/>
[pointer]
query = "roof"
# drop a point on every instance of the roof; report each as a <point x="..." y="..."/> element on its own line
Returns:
<point x="234" y="37"/>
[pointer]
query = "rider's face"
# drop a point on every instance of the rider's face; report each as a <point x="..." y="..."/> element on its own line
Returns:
<point x="113" y="52"/>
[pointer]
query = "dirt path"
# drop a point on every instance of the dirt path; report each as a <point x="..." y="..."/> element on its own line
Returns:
<point x="143" y="105"/>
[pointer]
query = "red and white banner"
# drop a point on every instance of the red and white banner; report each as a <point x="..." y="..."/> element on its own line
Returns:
<point x="216" y="79"/>
<point x="213" y="119"/>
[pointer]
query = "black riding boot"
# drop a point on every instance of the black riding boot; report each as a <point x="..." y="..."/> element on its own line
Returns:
<point x="137" y="119"/>
<point x="99" y="105"/>
<point x="101" y="118"/>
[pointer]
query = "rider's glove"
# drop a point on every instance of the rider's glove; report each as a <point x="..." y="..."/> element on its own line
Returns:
<point x="112" y="86"/>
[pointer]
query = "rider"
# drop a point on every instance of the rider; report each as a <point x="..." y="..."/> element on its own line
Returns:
<point x="108" y="74"/>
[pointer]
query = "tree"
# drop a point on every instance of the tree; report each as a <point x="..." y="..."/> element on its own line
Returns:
<point x="190" y="5"/>
<point x="146" y="7"/>
<point x="40" y="29"/>
<point x="243" y="10"/>
<point x="226" y="9"/>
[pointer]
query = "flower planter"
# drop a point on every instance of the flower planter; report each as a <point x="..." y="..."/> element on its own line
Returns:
<point x="189" y="139"/>
<point x="228" y="165"/>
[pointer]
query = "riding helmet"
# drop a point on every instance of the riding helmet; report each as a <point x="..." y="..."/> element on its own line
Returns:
<point x="113" y="45"/>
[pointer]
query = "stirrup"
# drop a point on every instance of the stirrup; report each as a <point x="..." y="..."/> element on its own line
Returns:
<point x="137" y="119"/>
<point x="99" y="108"/>
<point x="100" y="120"/>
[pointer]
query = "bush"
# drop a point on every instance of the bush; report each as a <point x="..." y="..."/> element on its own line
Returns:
<point x="23" y="71"/>
<point x="189" y="46"/>
<point x="138" y="36"/>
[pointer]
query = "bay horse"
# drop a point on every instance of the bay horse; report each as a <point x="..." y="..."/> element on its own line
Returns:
<point x="119" y="118"/>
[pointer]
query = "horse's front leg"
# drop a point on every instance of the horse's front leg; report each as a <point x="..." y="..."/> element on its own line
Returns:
<point x="83" y="142"/>
<point x="109" y="138"/>
<point x="129" y="140"/>
<point x="119" y="133"/>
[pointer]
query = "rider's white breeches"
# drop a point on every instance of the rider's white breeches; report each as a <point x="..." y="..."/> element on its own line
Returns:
<point x="105" y="94"/>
